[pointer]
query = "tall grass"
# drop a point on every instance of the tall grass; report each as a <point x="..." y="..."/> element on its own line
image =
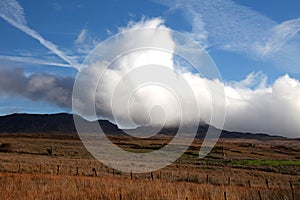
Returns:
<point x="41" y="186"/>
<point x="29" y="171"/>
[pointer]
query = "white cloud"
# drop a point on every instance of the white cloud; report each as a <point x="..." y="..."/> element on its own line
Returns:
<point x="273" y="109"/>
<point x="253" y="80"/>
<point x="143" y="23"/>
<point x="81" y="37"/>
<point x="279" y="37"/>
<point x="84" y="42"/>
<point x="12" y="12"/>
<point x="251" y="104"/>
<point x="226" y="25"/>
<point x="147" y="37"/>
<point x="32" y="60"/>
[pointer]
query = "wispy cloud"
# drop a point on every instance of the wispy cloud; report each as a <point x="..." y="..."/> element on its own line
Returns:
<point x="12" y="12"/>
<point x="254" y="80"/>
<point x="32" y="60"/>
<point x="280" y="35"/>
<point x="226" y="25"/>
<point x="84" y="42"/>
<point x="81" y="37"/>
<point x="12" y="9"/>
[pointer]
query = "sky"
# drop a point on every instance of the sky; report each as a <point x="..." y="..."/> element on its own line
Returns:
<point x="254" y="44"/>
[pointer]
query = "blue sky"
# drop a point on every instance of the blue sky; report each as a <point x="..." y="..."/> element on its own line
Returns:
<point x="54" y="37"/>
<point x="61" y="22"/>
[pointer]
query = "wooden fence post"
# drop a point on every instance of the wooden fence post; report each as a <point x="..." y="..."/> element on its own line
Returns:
<point x="40" y="168"/>
<point x="292" y="188"/>
<point x="94" y="171"/>
<point x="77" y="173"/>
<point x="120" y="196"/>
<point x="207" y="179"/>
<point x="249" y="184"/>
<point x="259" y="195"/>
<point x="57" y="172"/>
<point x="291" y="185"/>
<point x="267" y="183"/>
<point x="229" y="181"/>
<point x="131" y="175"/>
<point x="225" y="196"/>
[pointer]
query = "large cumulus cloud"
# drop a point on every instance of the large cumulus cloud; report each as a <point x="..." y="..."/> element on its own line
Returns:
<point x="251" y="104"/>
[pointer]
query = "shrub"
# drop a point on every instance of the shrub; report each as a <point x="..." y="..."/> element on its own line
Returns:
<point x="49" y="151"/>
<point x="6" y="147"/>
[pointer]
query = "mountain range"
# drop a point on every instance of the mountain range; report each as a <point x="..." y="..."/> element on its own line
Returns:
<point x="62" y="123"/>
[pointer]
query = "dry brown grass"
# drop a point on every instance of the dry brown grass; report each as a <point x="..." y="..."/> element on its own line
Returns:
<point x="40" y="186"/>
<point x="28" y="171"/>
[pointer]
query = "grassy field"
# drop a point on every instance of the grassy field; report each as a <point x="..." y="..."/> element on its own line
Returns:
<point x="266" y="162"/>
<point x="59" y="167"/>
<point x="33" y="186"/>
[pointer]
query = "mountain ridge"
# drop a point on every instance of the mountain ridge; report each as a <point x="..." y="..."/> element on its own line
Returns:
<point x="63" y="123"/>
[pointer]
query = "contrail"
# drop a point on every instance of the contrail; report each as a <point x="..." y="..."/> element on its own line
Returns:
<point x="12" y="12"/>
<point x="32" y="60"/>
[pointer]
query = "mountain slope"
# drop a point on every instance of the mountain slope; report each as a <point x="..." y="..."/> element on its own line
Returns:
<point x="63" y="123"/>
<point x="45" y="123"/>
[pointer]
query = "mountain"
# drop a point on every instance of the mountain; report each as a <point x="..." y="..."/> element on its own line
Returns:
<point x="46" y="123"/>
<point x="63" y="123"/>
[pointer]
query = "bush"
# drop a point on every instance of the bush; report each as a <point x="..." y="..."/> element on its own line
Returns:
<point x="6" y="147"/>
<point x="49" y="151"/>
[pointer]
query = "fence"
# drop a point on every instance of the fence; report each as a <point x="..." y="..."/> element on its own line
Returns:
<point x="172" y="176"/>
